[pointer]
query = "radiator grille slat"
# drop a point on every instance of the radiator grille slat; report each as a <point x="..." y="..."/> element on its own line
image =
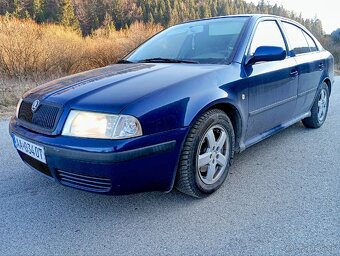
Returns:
<point x="86" y="182"/>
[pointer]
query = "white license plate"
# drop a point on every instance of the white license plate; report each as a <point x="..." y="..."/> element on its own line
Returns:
<point x="29" y="148"/>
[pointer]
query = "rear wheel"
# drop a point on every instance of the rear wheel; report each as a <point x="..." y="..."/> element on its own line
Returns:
<point x="319" y="109"/>
<point x="206" y="155"/>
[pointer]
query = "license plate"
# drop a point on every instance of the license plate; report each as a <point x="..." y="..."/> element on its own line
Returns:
<point x="29" y="148"/>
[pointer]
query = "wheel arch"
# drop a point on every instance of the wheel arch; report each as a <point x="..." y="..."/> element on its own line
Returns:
<point x="234" y="115"/>
<point x="329" y="84"/>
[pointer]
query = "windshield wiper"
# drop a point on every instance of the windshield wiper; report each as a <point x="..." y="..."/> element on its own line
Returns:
<point x="165" y="60"/>
<point x="124" y="61"/>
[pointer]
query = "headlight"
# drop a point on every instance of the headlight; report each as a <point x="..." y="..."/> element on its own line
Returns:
<point x="100" y="125"/>
<point x="18" y="108"/>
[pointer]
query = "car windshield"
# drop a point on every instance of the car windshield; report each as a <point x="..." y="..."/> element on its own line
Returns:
<point x="207" y="41"/>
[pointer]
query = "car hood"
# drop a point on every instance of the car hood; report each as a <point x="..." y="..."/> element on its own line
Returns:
<point x="112" y="88"/>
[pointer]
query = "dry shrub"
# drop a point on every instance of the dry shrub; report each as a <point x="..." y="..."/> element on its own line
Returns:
<point x="107" y="46"/>
<point x="138" y="33"/>
<point x="32" y="51"/>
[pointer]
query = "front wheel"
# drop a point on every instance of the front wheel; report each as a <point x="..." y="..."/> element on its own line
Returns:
<point x="206" y="155"/>
<point x="319" y="109"/>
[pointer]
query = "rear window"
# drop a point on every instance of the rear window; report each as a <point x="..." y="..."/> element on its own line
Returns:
<point x="311" y="43"/>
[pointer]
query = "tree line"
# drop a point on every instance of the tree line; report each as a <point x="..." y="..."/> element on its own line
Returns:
<point x="86" y="16"/>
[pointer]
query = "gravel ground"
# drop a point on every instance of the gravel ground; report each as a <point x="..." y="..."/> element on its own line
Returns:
<point x="281" y="198"/>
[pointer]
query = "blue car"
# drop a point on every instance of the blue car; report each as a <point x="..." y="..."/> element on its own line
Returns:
<point x="175" y="110"/>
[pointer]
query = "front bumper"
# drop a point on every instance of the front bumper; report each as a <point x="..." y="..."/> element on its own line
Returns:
<point x="146" y="163"/>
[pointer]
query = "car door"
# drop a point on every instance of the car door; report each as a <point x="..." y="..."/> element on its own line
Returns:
<point x="310" y="64"/>
<point x="272" y="85"/>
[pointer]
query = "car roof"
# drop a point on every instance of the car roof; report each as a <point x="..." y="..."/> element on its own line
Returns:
<point x="254" y="16"/>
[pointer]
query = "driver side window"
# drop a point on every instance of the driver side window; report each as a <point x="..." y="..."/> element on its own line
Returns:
<point x="267" y="34"/>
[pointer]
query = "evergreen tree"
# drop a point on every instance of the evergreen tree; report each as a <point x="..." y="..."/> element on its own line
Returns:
<point x="317" y="27"/>
<point x="92" y="14"/>
<point x="336" y="35"/>
<point x="67" y="16"/>
<point x="151" y="18"/>
<point x="167" y="13"/>
<point x="17" y="8"/>
<point x="51" y="10"/>
<point x="118" y="14"/>
<point x="38" y="14"/>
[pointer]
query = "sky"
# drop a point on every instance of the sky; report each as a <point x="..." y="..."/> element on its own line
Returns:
<point x="328" y="11"/>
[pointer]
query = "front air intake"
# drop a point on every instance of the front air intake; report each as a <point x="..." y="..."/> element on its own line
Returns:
<point x="85" y="182"/>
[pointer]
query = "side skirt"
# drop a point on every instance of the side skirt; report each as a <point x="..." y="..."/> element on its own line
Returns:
<point x="273" y="131"/>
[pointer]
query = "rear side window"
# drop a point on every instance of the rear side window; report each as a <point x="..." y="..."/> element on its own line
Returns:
<point x="311" y="43"/>
<point x="297" y="40"/>
<point x="267" y="34"/>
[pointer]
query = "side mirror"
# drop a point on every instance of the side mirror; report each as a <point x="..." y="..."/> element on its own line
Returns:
<point x="267" y="53"/>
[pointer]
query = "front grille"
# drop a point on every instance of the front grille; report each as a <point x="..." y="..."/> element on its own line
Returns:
<point x="85" y="182"/>
<point x="39" y="166"/>
<point x="45" y="117"/>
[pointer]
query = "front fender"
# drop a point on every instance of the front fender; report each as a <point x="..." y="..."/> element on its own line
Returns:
<point x="227" y="97"/>
<point x="234" y="102"/>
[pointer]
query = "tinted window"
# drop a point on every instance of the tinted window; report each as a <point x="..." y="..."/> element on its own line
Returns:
<point x="311" y="43"/>
<point x="207" y="41"/>
<point x="267" y="34"/>
<point x="296" y="38"/>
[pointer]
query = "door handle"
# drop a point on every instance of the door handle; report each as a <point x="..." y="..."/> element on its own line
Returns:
<point x="294" y="73"/>
<point x="321" y="66"/>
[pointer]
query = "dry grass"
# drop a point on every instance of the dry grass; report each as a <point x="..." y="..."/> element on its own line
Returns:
<point x="6" y="112"/>
<point x="10" y="93"/>
<point x="32" y="53"/>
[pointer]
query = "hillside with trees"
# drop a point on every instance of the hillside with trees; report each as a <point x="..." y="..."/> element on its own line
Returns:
<point x="89" y="15"/>
<point x="45" y="39"/>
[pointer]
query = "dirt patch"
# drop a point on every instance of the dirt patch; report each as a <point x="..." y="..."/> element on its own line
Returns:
<point x="6" y="112"/>
<point x="10" y="93"/>
<point x="12" y="90"/>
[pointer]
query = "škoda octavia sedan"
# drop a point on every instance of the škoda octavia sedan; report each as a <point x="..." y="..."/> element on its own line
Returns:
<point x="176" y="109"/>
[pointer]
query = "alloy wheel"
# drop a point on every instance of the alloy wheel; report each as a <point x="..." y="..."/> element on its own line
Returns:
<point x="322" y="105"/>
<point x="213" y="155"/>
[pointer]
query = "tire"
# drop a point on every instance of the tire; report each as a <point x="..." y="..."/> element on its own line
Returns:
<point x="206" y="155"/>
<point x="319" y="109"/>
